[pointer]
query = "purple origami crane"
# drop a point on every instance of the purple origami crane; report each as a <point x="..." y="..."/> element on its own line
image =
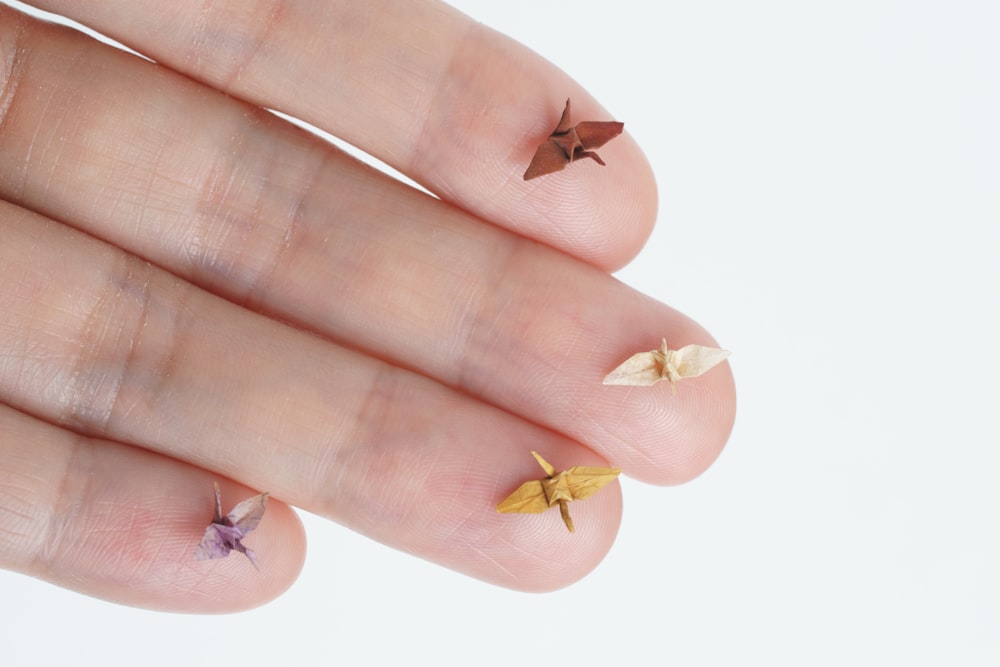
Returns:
<point x="223" y="535"/>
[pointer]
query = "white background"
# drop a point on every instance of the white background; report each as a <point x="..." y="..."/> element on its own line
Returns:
<point x="830" y="209"/>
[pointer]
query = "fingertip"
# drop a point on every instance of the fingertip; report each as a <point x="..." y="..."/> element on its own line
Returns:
<point x="603" y="215"/>
<point x="234" y="583"/>
<point x="537" y="553"/>
<point x="498" y="103"/>
<point x="140" y="550"/>
<point x="123" y="524"/>
<point x="669" y="438"/>
<point x="703" y="422"/>
<point x="543" y="556"/>
<point x="446" y="508"/>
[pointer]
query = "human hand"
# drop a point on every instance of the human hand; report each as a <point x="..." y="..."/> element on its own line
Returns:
<point x="193" y="290"/>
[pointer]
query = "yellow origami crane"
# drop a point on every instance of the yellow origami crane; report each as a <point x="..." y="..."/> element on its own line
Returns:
<point x="577" y="483"/>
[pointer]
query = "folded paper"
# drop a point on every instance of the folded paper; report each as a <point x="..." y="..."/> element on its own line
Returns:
<point x="648" y="368"/>
<point x="568" y="143"/>
<point x="225" y="533"/>
<point x="558" y="488"/>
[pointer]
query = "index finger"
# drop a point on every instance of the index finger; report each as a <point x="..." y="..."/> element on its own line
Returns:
<point x="433" y="111"/>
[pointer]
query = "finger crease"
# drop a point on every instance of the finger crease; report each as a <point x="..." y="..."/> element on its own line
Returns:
<point x="107" y="348"/>
<point x="252" y="43"/>
<point x="12" y="65"/>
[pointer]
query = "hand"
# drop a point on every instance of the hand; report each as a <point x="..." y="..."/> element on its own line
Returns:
<point x="195" y="290"/>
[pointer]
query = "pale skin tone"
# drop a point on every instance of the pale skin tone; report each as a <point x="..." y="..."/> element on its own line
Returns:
<point x="192" y="290"/>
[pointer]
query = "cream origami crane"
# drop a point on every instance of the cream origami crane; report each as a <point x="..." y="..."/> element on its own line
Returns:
<point x="648" y="368"/>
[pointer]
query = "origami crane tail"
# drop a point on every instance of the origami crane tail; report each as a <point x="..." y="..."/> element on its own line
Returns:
<point x="567" y="519"/>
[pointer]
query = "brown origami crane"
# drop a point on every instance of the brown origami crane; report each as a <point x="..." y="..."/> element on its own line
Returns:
<point x="568" y="143"/>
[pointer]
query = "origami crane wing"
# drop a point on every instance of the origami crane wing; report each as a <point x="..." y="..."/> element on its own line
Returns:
<point x="248" y="513"/>
<point x="585" y="481"/>
<point x="529" y="498"/>
<point x="595" y="133"/>
<point x="642" y="369"/>
<point x="693" y="360"/>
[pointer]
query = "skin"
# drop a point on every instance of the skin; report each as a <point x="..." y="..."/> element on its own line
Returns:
<point x="194" y="290"/>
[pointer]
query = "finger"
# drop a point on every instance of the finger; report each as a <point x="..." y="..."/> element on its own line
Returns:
<point x="122" y="524"/>
<point x="452" y="104"/>
<point x="239" y="203"/>
<point x="113" y="347"/>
